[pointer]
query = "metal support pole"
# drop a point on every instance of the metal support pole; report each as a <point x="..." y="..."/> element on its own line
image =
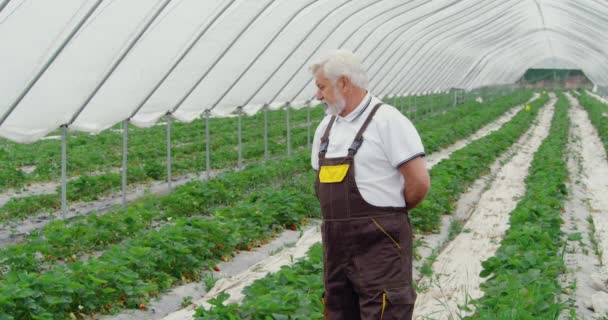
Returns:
<point x="208" y="145"/>
<point x="308" y="105"/>
<point x="455" y="99"/>
<point x="125" y="136"/>
<point x="416" y="106"/>
<point x="64" y="159"/>
<point x="409" y="105"/>
<point x="287" y="107"/>
<point x="168" y="117"/>
<point x="401" y="104"/>
<point x="265" y="132"/>
<point x="240" y="137"/>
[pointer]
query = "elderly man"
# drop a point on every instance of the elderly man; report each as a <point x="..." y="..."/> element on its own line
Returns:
<point x="371" y="171"/>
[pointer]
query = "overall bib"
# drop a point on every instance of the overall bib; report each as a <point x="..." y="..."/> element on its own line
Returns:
<point x="367" y="249"/>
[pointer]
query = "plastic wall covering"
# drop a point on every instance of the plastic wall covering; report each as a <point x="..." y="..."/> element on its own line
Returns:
<point x="142" y="59"/>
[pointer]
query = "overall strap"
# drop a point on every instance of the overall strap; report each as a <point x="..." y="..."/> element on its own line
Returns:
<point x="325" y="138"/>
<point x="354" y="147"/>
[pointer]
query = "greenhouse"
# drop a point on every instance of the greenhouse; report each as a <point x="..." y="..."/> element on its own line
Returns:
<point x="156" y="158"/>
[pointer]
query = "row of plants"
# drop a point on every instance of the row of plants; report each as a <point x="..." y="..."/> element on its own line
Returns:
<point x="95" y="231"/>
<point x="99" y="153"/>
<point x="464" y="121"/>
<point x="90" y="188"/>
<point x="89" y="154"/>
<point x="294" y="292"/>
<point x="283" y="296"/>
<point x="523" y="276"/>
<point x="300" y="188"/>
<point x="62" y="240"/>
<point x="94" y="187"/>
<point x="598" y="114"/>
<point x="128" y="274"/>
<point x="451" y="177"/>
<point x="39" y="241"/>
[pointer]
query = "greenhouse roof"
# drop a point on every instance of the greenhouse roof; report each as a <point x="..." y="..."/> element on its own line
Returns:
<point x="91" y="64"/>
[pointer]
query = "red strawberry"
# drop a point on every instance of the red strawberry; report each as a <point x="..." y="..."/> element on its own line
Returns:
<point x="142" y="307"/>
<point x="294" y="227"/>
<point x="216" y="268"/>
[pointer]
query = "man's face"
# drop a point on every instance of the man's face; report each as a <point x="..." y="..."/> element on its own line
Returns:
<point x="328" y="94"/>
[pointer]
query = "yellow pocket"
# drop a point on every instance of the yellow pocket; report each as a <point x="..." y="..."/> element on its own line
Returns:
<point x="333" y="174"/>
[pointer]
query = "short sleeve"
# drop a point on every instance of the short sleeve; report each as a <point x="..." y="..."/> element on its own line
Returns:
<point x="400" y="139"/>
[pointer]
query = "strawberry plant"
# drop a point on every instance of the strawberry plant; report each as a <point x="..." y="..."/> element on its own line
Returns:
<point x="452" y="176"/>
<point x="523" y="276"/>
<point x="292" y="293"/>
<point x="598" y="114"/>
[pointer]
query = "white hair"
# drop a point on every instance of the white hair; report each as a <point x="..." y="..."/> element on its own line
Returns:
<point x="342" y="62"/>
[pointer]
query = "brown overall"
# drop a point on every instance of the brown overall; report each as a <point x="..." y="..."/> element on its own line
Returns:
<point x="367" y="249"/>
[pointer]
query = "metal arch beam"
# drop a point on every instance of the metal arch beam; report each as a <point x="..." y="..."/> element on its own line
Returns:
<point x="558" y="33"/>
<point x="459" y="62"/>
<point x="590" y="26"/>
<point x="479" y="61"/>
<point x="387" y="21"/>
<point x="461" y="66"/>
<point x="536" y="31"/>
<point x="436" y="40"/>
<point x="401" y="89"/>
<point x="581" y="7"/>
<point x="477" y="39"/>
<point x="582" y="55"/>
<point x="219" y="57"/>
<point x="520" y="72"/>
<point x="363" y="41"/>
<point x="119" y="60"/>
<point x="446" y="79"/>
<point x="467" y="78"/>
<point x="183" y="55"/>
<point x="472" y="41"/>
<point x="316" y="49"/>
<point x="430" y="32"/>
<point x="485" y="60"/>
<point x="295" y="73"/>
<point x="50" y="61"/>
<point x="576" y="53"/>
<point x="397" y="31"/>
<point x="3" y="5"/>
<point x="512" y="76"/>
<point x="291" y="18"/>
<point x="426" y="48"/>
<point x="579" y="38"/>
<point x="476" y="81"/>
<point x="265" y="82"/>
<point x="417" y="85"/>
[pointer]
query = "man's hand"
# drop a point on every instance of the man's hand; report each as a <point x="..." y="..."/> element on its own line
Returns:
<point x="417" y="181"/>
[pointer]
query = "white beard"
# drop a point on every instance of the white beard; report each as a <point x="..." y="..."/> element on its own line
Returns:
<point x="335" y="109"/>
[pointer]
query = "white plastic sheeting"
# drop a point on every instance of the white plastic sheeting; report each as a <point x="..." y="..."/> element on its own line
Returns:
<point x="90" y="64"/>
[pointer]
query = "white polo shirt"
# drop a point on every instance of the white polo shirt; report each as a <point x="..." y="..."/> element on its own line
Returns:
<point x="389" y="141"/>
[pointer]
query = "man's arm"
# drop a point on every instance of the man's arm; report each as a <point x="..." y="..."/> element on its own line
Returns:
<point x="417" y="181"/>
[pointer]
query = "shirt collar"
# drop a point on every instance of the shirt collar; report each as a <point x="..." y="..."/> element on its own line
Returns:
<point x="353" y="115"/>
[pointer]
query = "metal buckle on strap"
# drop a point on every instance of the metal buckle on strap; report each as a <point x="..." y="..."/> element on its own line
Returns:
<point x="323" y="147"/>
<point x="354" y="147"/>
